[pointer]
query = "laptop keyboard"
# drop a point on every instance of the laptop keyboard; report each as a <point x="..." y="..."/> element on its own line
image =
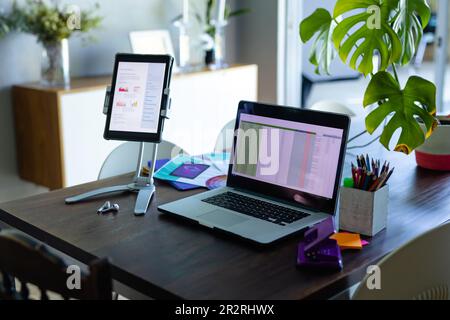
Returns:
<point x="256" y="208"/>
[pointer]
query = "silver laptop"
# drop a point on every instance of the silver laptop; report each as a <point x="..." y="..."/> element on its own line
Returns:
<point x="283" y="177"/>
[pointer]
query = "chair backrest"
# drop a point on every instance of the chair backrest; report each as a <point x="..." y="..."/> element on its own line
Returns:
<point x="419" y="270"/>
<point x="224" y="142"/>
<point x="123" y="159"/>
<point x="31" y="263"/>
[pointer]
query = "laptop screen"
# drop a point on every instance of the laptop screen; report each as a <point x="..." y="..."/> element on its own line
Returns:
<point x="289" y="153"/>
<point x="293" y="155"/>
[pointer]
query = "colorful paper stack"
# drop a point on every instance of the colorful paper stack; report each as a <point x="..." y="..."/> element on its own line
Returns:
<point x="349" y="241"/>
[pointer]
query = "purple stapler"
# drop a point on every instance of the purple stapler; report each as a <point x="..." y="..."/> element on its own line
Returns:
<point x="317" y="250"/>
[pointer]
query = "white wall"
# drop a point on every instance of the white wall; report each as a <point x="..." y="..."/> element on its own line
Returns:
<point x="256" y="42"/>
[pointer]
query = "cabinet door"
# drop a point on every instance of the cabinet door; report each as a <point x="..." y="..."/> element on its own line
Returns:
<point x="82" y="126"/>
<point x="203" y="103"/>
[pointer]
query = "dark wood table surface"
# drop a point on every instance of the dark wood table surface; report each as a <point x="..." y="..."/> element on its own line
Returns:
<point x="162" y="257"/>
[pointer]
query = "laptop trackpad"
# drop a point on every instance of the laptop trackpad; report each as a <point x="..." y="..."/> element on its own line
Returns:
<point x="221" y="218"/>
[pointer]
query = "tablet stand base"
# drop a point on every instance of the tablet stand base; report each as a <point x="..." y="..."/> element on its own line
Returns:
<point x="144" y="186"/>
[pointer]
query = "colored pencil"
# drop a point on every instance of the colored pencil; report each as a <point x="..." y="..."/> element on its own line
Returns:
<point x="368" y="174"/>
<point x="388" y="176"/>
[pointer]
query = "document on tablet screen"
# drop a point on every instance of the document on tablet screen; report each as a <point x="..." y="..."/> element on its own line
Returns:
<point x="137" y="97"/>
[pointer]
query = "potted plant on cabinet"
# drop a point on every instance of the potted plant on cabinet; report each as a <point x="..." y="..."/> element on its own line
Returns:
<point x="210" y="28"/>
<point x="358" y="30"/>
<point x="53" y="26"/>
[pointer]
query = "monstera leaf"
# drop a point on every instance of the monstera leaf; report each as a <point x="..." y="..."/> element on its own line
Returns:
<point x="412" y="17"/>
<point x="322" y="51"/>
<point x="365" y="31"/>
<point x="417" y="99"/>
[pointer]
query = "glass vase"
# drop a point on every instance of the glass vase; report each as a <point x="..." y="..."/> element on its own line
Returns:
<point x="219" y="50"/>
<point x="184" y="46"/>
<point x="55" y="64"/>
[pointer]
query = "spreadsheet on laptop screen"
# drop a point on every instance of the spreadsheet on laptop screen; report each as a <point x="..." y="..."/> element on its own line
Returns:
<point x="294" y="155"/>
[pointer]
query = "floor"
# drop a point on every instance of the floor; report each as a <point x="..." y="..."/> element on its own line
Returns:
<point x="349" y="93"/>
<point x="13" y="188"/>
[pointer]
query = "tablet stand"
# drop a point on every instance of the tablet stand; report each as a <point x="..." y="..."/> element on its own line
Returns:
<point x="144" y="186"/>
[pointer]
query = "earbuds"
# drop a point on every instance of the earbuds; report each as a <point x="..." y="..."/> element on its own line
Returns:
<point x="107" y="207"/>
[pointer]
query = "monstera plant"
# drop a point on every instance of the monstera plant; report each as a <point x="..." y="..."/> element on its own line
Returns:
<point x="358" y="30"/>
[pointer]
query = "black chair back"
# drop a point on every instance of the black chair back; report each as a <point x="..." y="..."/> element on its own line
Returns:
<point x="30" y="262"/>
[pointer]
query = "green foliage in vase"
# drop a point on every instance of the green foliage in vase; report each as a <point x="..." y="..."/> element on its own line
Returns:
<point x="358" y="30"/>
<point x="48" y="21"/>
<point x="210" y="28"/>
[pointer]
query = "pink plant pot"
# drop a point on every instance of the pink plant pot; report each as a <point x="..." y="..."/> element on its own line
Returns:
<point x="434" y="154"/>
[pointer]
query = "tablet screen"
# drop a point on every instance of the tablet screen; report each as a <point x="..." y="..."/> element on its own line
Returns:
<point x="137" y="97"/>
